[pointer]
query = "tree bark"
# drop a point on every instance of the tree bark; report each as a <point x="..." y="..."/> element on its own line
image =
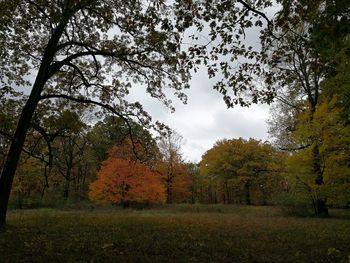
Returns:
<point x="320" y="203"/>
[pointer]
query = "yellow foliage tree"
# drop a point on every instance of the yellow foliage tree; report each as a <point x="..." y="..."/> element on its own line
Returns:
<point x="235" y="167"/>
<point x="329" y="131"/>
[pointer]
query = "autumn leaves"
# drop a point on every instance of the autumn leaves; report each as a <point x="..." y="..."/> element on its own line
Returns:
<point x="125" y="179"/>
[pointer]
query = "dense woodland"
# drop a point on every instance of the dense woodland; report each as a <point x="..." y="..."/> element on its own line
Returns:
<point x="75" y="139"/>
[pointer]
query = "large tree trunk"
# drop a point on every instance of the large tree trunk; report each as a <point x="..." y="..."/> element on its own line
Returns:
<point x="25" y="118"/>
<point x="15" y="150"/>
<point x="320" y="204"/>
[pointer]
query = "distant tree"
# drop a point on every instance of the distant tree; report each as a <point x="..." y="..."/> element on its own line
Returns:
<point x="69" y="162"/>
<point x="106" y="133"/>
<point x="193" y="173"/>
<point x="176" y="180"/>
<point x="173" y="169"/>
<point x="29" y="184"/>
<point x="114" y="131"/>
<point x="125" y="181"/>
<point x="237" y="165"/>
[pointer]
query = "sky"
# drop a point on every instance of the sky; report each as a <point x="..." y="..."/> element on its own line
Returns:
<point x="205" y="118"/>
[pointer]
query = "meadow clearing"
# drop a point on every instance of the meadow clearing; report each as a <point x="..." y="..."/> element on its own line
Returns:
<point x="181" y="233"/>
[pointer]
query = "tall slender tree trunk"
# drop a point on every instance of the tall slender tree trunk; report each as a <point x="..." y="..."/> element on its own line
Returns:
<point x="210" y="195"/>
<point x="169" y="183"/>
<point x="247" y="192"/>
<point x="68" y="176"/>
<point x="25" y="118"/>
<point x="320" y="202"/>
<point x="15" y="150"/>
<point x="66" y="188"/>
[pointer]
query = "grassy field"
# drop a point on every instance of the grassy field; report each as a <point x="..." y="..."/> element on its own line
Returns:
<point x="174" y="234"/>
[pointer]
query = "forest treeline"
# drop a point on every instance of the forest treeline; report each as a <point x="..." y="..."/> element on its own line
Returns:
<point x="76" y="136"/>
<point x="103" y="163"/>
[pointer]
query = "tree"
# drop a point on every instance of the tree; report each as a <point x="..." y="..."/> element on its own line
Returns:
<point x="339" y="83"/>
<point x="70" y="38"/>
<point x="61" y="129"/>
<point x="300" y="59"/>
<point x="69" y="150"/>
<point x="125" y="181"/>
<point x="29" y="183"/>
<point x="329" y="130"/>
<point x="93" y="51"/>
<point x="176" y="180"/>
<point x="236" y="165"/>
<point x="114" y="131"/>
<point x="106" y="133"/>
<point x="193" y="172"/>
<point x="172" y="169"/>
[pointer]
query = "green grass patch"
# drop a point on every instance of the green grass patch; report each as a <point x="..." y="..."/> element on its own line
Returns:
<point x="183" y="233"/>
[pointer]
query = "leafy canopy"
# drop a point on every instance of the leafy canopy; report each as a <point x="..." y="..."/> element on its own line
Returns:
<point x="239" y="157"/>
<point x="121" y="181"/>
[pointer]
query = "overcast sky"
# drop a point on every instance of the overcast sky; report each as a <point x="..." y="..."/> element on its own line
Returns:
<point x="206" y="119"/>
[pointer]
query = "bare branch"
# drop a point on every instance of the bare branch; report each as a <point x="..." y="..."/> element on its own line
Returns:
<point x="81" y="74"/>
<point x="250" y="8"/>
<point x="5" y="134"/>
<point x="285" y="101"/>
<point x="295" y="148"/>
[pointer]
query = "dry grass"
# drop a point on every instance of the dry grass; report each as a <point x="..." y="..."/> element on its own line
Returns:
<point x="177" y="234"/>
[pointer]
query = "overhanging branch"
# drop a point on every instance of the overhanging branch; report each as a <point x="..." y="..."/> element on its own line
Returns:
<point x="97" y="103"/>
<point x="250" y="8"/>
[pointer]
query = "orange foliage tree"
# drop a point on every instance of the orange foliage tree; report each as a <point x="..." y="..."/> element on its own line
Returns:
<point x="143" y="152"/>
<point x="177" y="181"/>
<point x="173" y="170"/>
<point x="122" y="181"/>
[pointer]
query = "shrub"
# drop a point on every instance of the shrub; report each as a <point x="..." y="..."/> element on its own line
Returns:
<point x="292" y="204"/>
